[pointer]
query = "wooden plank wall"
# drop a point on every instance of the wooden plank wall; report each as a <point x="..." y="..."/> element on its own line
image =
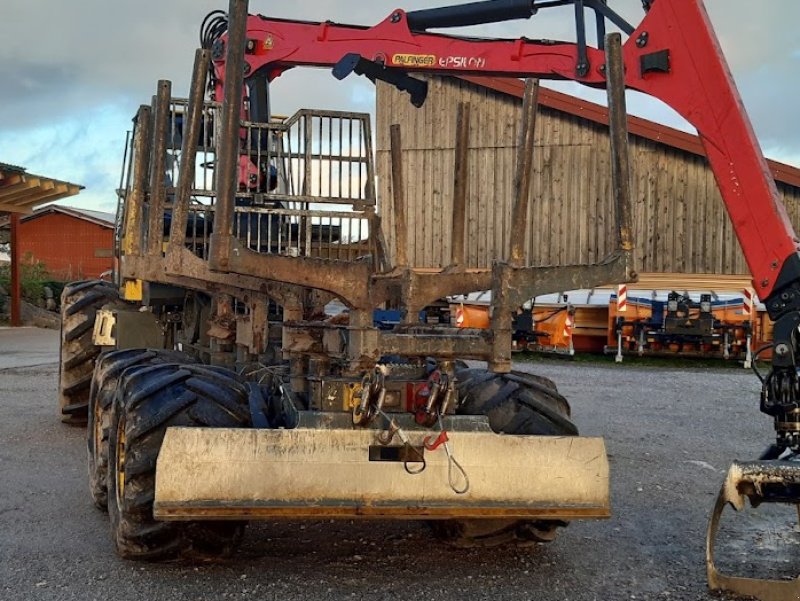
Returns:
<point x="680" y="225"/>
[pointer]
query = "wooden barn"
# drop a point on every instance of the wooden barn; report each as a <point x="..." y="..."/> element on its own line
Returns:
<point x="681" y="230"/>
<point x="73" y="244"/>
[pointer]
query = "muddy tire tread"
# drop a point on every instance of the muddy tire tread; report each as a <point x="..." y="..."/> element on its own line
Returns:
<point x="170" y="402"/>
<point x="108" y="370"/>
<point x="80" y="302"/>
<point x="516" y="403"/>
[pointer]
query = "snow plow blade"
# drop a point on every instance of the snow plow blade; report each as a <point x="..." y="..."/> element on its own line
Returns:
<point x="760" y="482"/>
<point x="329" y="473"/>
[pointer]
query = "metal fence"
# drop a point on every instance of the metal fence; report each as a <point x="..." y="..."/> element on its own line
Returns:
<point x="306" y="183"/>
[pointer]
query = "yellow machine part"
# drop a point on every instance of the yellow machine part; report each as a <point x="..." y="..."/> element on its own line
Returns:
<point x="326" y="473"/>
<point x="132" y="290"/>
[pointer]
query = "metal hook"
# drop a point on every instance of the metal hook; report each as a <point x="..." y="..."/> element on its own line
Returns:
<point x="440" y="440"/>
<point x="385" y="437"/>
<point x="422" y="461"/>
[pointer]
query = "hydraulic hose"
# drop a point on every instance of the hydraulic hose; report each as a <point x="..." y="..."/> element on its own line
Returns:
<point x="473" y="13"/>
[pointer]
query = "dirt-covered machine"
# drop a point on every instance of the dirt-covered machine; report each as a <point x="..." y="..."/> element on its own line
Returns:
<point x="227" y="390"/>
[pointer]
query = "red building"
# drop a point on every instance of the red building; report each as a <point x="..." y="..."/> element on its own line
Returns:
<point x="73" y="244"/>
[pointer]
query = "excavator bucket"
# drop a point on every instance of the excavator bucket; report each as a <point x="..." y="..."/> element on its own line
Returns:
<point x="774" y="481"/>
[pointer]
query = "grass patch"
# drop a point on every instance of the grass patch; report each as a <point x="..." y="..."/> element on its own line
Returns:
<point x="34" y="278"/>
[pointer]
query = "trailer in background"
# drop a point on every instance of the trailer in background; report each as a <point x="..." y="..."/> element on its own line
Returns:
<point x="696" y="323"/>
<point x="682" y="324"/>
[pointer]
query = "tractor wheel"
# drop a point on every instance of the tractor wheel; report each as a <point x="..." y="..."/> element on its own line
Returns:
<point x="515" y="403"/>
<point x="107" y="372"/>
<point x="149" y="400"/>
<point x="80" y="302"/>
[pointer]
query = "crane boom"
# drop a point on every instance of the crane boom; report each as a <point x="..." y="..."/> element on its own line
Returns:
<point x="672" y="55"/>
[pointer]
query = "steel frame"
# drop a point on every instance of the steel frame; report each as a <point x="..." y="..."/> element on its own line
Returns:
<point x="234" y="269"/>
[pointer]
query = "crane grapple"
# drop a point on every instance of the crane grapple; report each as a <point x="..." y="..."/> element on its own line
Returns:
<point x="756" y="482"/>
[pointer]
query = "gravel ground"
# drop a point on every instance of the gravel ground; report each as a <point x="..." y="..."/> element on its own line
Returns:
<point x="670" y="433"/>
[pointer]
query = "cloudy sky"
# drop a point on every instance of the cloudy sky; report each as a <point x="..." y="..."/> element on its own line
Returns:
<point x="73" y="72"/>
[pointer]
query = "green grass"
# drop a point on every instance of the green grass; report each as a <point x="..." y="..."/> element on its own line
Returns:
<point x="33" y="278"/>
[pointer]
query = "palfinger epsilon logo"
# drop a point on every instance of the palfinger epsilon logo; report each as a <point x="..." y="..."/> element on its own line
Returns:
<point x="414" y="60"/>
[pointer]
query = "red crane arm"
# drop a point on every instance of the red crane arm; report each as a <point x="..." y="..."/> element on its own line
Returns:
<point x="673" y="55"/>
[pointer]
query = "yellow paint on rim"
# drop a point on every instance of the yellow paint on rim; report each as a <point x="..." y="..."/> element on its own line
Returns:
<point x="120" y="462"/>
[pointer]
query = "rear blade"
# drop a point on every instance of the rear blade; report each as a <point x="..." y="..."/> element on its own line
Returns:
<point x="205" y="473"/>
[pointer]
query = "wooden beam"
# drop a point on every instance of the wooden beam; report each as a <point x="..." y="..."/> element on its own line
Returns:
<point x="9" y="180"/>
<point x="16" y="286"/>
<point x="23" y="202"/>
<point x="25" y="184"/>
<point x="30" y="195"/>
<point x="62" y="191"/>
<point x="689" y="281"/>
<point x="15" y="208"/>
<point x="53" y="193"/>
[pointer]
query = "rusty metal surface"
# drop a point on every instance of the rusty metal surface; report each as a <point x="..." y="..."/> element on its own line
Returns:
<point x="420" y="289"/>
<point x="228" y="145"/>
<point x="443" y="343"/>
<point x="226" y="473"/>
<point x="460" y="185"/>
<point x="347" y="280"/>
<point x="522" y="173"/>
<point x="381" y="248"/>
<point x="269" y="241"/>
<point x="520" y="283"/>
<point x="749" y="480"/>
<point x="191" y="135"/>
<point x="192" y="273"/>
<point x="134" y="200"/>
<point x="618" y="132"/>
<point x="158" y="169"/>
<point x="399" y="199"/>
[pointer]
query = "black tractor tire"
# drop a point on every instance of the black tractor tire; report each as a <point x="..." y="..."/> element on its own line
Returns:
<point x="515" y="403"/>
<point x="149" y="400"/>
<point x="108" y="369"/>
<point x="80" y="302"/>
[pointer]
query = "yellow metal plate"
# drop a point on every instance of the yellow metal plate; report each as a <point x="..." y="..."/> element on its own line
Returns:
<point x="132" y="290"/>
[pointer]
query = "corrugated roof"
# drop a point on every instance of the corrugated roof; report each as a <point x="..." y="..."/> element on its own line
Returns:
<point x="13" y="168"/>
<point x="21" y="192"/>
<point x="99" y="217"/>
<point x="109" y="218"/>
<point x="636" y="125"/>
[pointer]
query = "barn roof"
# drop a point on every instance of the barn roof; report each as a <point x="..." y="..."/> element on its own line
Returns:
<point x="101" y="218"/>
<point x="21" y="191"/>
<point x="636" y="125"/>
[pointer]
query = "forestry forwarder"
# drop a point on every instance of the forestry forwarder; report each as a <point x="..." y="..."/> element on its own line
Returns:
<point x="270" y="408"/>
